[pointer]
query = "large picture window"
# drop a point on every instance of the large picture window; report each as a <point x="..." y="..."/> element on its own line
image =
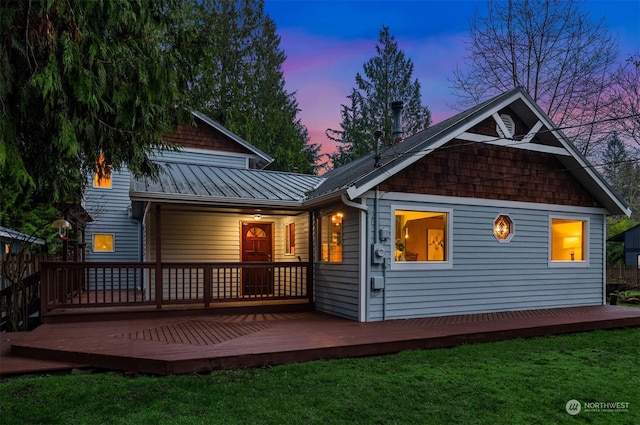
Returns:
<point x="568" y="239"/>
<point x="421" y="236"/>
<point x="330" y="237"/>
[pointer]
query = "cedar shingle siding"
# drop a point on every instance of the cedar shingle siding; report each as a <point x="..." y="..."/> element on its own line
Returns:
<point x="201" y="136"/>
<point x="479" y="170"/>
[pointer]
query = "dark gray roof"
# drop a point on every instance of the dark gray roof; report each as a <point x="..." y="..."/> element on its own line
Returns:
<point x="224" y="186"/>
<point x="8" y="234"/>
<point x="363" y="168"/>
<point x="361" y="175"/>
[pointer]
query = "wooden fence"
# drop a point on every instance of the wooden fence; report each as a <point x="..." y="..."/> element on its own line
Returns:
<point x="621" y="275"/>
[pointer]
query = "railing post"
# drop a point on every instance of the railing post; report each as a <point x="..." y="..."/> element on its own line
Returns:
<point x="207" y="285"/>
<point x="44" y="289"/>
<point x="158" y="260"/>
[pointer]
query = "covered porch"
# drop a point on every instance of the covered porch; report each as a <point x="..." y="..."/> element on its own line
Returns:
<point x="207" y="237"/>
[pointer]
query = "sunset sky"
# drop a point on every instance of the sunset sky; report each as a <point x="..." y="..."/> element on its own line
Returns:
<point x="327" y="42"/>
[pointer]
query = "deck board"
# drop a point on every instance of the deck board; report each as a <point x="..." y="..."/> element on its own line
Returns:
<point x="200" y="343"/>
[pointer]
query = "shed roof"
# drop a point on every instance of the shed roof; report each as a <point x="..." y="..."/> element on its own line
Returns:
<point x="8" y="234"/>
<point x="620" y="237"/>
<point x="220" y="186"/>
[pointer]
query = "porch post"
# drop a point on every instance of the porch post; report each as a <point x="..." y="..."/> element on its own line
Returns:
<point x="311" y="259"/>
<point x="158" y="259"/>
<point x="44" y="290"/>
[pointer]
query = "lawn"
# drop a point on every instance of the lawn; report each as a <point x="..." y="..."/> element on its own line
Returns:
<point x="527" y="381"/>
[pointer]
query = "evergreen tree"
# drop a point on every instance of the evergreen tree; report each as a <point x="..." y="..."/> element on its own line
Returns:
<point x="235" y="71"/>
<point x="79" y="79"/>
<point x="387" y="78"/>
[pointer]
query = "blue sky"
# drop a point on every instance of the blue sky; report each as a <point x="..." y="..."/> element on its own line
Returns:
<point x="327" y="42"/>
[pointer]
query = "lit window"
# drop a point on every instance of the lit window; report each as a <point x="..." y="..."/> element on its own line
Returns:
<point x="102" y="175"/>
<point x="330" y="231"/>
<point x="503" y="228"/>
<point x="290" y="238"/>
<point x="568" y="239"/>
<point x="103" y="243"/>
<point x="421" y="236"/>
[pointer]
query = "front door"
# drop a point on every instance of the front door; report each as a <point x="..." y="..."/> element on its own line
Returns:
<point x="257" y="245"/>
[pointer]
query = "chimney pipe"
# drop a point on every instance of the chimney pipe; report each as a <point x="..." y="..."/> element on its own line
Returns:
<point x="396" y="107"/>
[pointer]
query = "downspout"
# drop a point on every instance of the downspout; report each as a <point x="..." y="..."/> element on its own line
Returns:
<point x="364" y="243"/>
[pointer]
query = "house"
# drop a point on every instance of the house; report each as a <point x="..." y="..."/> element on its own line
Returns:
<point x="490" y="210"/>
<point x="14" y="243"/>
<point x="631" y="240"/>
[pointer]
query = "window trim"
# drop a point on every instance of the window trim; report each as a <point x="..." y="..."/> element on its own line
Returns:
<point x="100" y="251"/>
<point x="564" y="263"/>
<point x="423" y="265"/>
<point x="292" y="242"/>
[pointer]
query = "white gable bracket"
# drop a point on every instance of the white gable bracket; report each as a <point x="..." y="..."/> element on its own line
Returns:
<point x="490" y="140"/>
<point x="534" y="130"/>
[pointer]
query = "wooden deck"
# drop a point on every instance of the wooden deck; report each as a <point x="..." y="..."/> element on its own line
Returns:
<point x="205" y="342"/>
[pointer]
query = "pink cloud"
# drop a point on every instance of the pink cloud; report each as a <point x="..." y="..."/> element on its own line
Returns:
<point x="321" y="70"/>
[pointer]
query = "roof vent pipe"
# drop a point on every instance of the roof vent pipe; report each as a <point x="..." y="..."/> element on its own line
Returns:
<point x="396" y="107"/>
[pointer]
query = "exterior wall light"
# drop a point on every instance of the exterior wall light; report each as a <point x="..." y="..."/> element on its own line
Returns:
<point x="503" y="228"/>
<point x="63" y="226"/>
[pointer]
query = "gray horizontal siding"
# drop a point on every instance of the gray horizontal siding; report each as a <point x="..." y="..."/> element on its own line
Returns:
<point x="489" y="276"/>
<point x="109" y="209"/>
<point x="202" y="157"/>
<point x="337" y="285"/>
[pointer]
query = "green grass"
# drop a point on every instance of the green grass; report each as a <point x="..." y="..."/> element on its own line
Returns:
<point x="511" y="382"/>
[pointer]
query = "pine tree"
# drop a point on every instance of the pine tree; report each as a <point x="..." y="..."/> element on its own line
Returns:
<point x="235" y="67"/>
<point x="387" y="78"/>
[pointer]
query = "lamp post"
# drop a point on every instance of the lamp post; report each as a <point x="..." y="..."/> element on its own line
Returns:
<point x="63" y="226"/>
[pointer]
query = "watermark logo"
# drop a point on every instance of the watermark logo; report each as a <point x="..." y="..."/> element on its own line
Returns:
<point x="573" y="407"/>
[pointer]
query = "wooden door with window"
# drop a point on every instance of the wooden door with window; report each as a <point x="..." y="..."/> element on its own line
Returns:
<point x="257" y="246"/>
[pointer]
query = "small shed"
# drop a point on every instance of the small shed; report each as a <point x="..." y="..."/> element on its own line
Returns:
<point x="12" y="241"/>
<point x="631" y="240"/>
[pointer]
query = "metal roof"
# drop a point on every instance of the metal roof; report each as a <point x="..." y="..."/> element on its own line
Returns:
<point x="192" y="183"/>
<point x="8" y="234"/>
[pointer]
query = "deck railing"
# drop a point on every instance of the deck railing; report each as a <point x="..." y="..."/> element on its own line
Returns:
<point x="81" y="285"/>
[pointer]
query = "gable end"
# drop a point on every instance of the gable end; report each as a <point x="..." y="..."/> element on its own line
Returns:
<point x="202" y="136"/>
<point x="479" y="170"/>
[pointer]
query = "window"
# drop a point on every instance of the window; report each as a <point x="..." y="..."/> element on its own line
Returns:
<point x="503" y="228"/>
<point x="102" y="175"/>
<point x="330" y="237"/>
<point x="290" y="238"/>
<point x="421" y="236"/>
<point x="103" y="242"/>
<point x="568" y="239"/>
